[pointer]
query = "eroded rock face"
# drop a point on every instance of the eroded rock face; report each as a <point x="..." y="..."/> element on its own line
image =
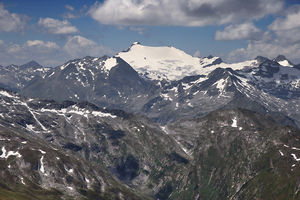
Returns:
<point x="233" y="152"/>
<point x="130" y="148"/>
<point x="81" y="150"/>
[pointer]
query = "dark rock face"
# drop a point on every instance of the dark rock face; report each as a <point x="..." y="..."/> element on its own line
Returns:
<point x="178" y="158"/>
<point x="134" y="148"/>
<point x="297" y="66"/>
<point x="31" y="64"/>
<point x="268" y="69"/>
<point x="232" y="151"/>
<point x="128" y="168"/>
<point x="72" y="147"/>
<point x="76" y="147"/>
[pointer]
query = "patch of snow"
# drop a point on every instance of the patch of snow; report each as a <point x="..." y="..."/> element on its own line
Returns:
<point x="294" y="148"/>
<point x="295" y="157"/>
<point x="4" y="93"/>
<point x="220" y="84"/>
<point x="285" y="63"/>
<point x="29" y="127"/>
<point x="9" y="153"/>
<point x="70" y="188"/>
<point x="281" y="153"/>
<point x="110" y="63"/>
<point x="196" y="92"/>
<point x="164" y="129"/>
<point x="102" y="114"/>
<point x="175" y="89"/>
<point x="29" y="109"/>
<point x="22" y="181"/>
<point x="186" y="86"/>
<point x="24" y="142"/>
<point x="166" y="97"/>
<point x="43" y="152"/>
<point x="79" y="111"/>
<point x="42" y="169"/>
<point x="240" y="128"/>
<point x="86" y="180"/>
<point x="234" y="122"/>
<point x="93" y="74"/>
<point x="81" y="66"/>
<point x="70" y="171"/>
<point x="64" y="66"/>
<point x="51" y="74"/>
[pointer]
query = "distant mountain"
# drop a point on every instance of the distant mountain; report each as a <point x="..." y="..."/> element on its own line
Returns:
<point x="166" y="84"/>
<point x="104" y="81"/>
<point x="297" y="66"/>
<point x="282" y="60"/>
<point x="15" y="77"/>
<point x="165" y="63"/>
<point x="31" y="64"/>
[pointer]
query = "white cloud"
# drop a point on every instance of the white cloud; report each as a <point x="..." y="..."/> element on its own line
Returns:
<point x="78" y="46"/>
<point x="288" y="27"/>
<point x="69" y="7"/>
<point x="69" y="16"/>
<point x="181" y="13"/>
<point x="13" y="49"/>
<point x="55" y="26"/>
<point x="239" y="32"/>
<point x="283" y="38"/>
<point x="290" y="21"/>
<point x="269" y="49"/>
<point x="11" y="22"/>
<point x="71" y="13"/>
<point x="139" y="30"/>
<point x="49" y="53"/>
<point x="41" y="44"/>
<point x="41" y="51"/>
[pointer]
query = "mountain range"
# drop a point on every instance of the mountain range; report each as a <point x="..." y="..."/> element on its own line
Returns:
<point x="166" y="84"/>
<point x="151" y="123"/>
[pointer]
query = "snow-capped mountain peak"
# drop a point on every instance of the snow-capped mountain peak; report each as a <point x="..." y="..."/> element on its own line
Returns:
<point x="283" y="61"/>
<point x="164" y="62"/>
<point x="136" y="43"/>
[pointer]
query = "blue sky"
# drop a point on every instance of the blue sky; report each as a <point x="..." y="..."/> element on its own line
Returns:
<point x="52" y="32"/>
